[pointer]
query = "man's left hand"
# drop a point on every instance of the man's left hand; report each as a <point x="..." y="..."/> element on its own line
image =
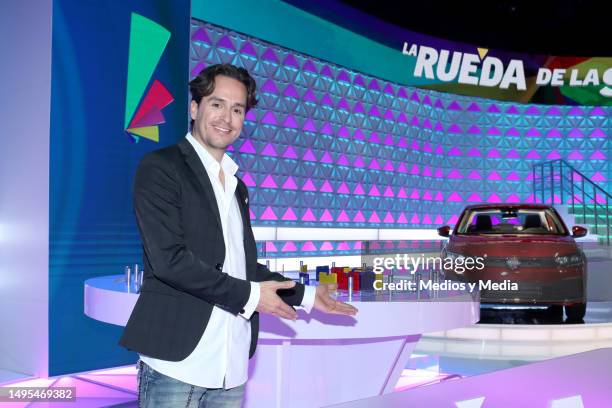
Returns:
<point x="325" y="303"/>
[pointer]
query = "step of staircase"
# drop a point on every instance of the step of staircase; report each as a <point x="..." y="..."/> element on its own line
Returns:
<point x="590" y="219"/>
<point x="589" y="209"/>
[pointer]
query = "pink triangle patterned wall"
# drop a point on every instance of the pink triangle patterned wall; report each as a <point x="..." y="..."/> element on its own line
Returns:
<point x="329" y="146"/>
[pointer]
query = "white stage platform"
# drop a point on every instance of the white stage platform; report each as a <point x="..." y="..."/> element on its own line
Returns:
<point x="321" y="359"/>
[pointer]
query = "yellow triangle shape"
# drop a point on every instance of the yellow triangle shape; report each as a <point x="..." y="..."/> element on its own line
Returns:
<point x="482" y="52"/>
<point x="148" y="132"/>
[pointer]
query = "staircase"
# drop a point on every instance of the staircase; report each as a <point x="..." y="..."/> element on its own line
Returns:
<point x="559" y="183"/>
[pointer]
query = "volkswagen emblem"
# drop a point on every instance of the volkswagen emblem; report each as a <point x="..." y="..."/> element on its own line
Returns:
<point x="513" y="263"/>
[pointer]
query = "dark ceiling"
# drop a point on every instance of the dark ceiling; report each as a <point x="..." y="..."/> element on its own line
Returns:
<point x="561" y="27"/>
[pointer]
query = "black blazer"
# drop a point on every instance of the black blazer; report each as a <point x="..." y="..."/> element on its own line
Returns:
<point x="182" y="239"/>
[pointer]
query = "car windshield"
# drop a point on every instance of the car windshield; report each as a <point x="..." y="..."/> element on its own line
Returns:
<point x="513" y="221"/>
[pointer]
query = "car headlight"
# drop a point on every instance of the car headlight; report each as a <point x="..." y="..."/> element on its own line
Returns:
<point x="568" y="260"/>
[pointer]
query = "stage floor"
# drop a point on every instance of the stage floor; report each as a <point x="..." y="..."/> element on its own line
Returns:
<point x="116" y="387"/>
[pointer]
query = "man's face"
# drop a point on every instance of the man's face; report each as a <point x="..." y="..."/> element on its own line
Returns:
<point x="219" y="117"/>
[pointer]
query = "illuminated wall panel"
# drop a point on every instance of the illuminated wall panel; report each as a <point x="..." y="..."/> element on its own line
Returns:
<point x="329" y="146"/>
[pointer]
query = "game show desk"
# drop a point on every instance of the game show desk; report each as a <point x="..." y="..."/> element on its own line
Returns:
<point x="322" y="359"/>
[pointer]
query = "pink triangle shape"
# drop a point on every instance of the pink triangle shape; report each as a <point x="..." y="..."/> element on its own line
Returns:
<point x="309" y="156"/>
<point x="374" y="217"/>
<point x="388" y="218"/>
<point x="289" y="247"/>
<point x="269" y="150"/>
<point x="248" y="180"/>
<point x="289" y="184"/>
<point x="342" y="160"/>
<point x="326" y="187"/>
<point x="326" y="216"/>
<point x="269" y="182"/>
<point x="289" y="215"/>
<point x="359" y="217"/>
<point x="247" y="147"/>
<point x="342" y="217"/>
<point x="290" y="153"/>
<point x="326" y="158"/>
<point x="309" y="186"/>
<point x="374" y="191"/>
<point x="268" y="214"/>
<point x="308" y="215"/>
<point x="343" y="189"/>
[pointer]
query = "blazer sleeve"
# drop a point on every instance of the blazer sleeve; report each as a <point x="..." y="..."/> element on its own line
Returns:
<point x="157" y="204"/>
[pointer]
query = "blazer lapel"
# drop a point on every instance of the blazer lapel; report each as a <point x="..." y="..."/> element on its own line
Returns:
<point x="250" y="248"/>
<point x="194" y="162"/>
<point x="242" y="197"/>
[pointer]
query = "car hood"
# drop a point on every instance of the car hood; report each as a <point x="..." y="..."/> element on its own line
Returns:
<point x="512" y="245"/>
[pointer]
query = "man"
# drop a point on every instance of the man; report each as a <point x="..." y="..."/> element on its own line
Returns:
<point x="196" y="321"/>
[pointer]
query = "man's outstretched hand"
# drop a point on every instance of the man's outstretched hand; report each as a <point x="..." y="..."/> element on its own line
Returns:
<point x="325" y="303"/>
<point x="271" y="303"/>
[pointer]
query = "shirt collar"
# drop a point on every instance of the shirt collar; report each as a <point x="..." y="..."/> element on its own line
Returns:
<point x="210" y="164"/>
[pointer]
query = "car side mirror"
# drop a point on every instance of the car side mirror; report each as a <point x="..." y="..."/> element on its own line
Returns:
<point x="444" y="231"/>
<point x="578" y="231"/>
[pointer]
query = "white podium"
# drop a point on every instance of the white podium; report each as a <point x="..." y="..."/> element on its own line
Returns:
<point x="322" y="359"/>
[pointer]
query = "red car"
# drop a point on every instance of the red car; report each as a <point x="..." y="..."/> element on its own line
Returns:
<point x="524" y="246"/>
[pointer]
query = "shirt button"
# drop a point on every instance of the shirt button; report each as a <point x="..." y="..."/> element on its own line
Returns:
<point x="219" y="266"/>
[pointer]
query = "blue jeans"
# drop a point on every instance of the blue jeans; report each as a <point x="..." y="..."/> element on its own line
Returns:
<point x="156" y="390"/>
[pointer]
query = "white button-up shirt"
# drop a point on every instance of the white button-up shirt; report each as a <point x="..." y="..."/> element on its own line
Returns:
<point x="221" y="357"/>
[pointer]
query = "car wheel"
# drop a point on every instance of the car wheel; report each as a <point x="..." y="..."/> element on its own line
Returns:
<point x="575" y="311"/>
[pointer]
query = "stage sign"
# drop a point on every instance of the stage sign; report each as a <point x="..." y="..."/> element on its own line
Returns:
<point x="475" y="71"/>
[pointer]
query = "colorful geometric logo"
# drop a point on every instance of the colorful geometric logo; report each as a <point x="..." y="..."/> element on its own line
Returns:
<point x="148" y="41"/>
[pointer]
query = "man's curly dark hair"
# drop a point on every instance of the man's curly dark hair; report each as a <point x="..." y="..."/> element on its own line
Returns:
<point x="204" y="84"/>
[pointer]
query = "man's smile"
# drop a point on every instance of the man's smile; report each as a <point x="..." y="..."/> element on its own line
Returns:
<point x="222" y="129"/>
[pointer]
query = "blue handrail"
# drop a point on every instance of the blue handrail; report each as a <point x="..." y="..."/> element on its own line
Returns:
<point x="559" y="175"/>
